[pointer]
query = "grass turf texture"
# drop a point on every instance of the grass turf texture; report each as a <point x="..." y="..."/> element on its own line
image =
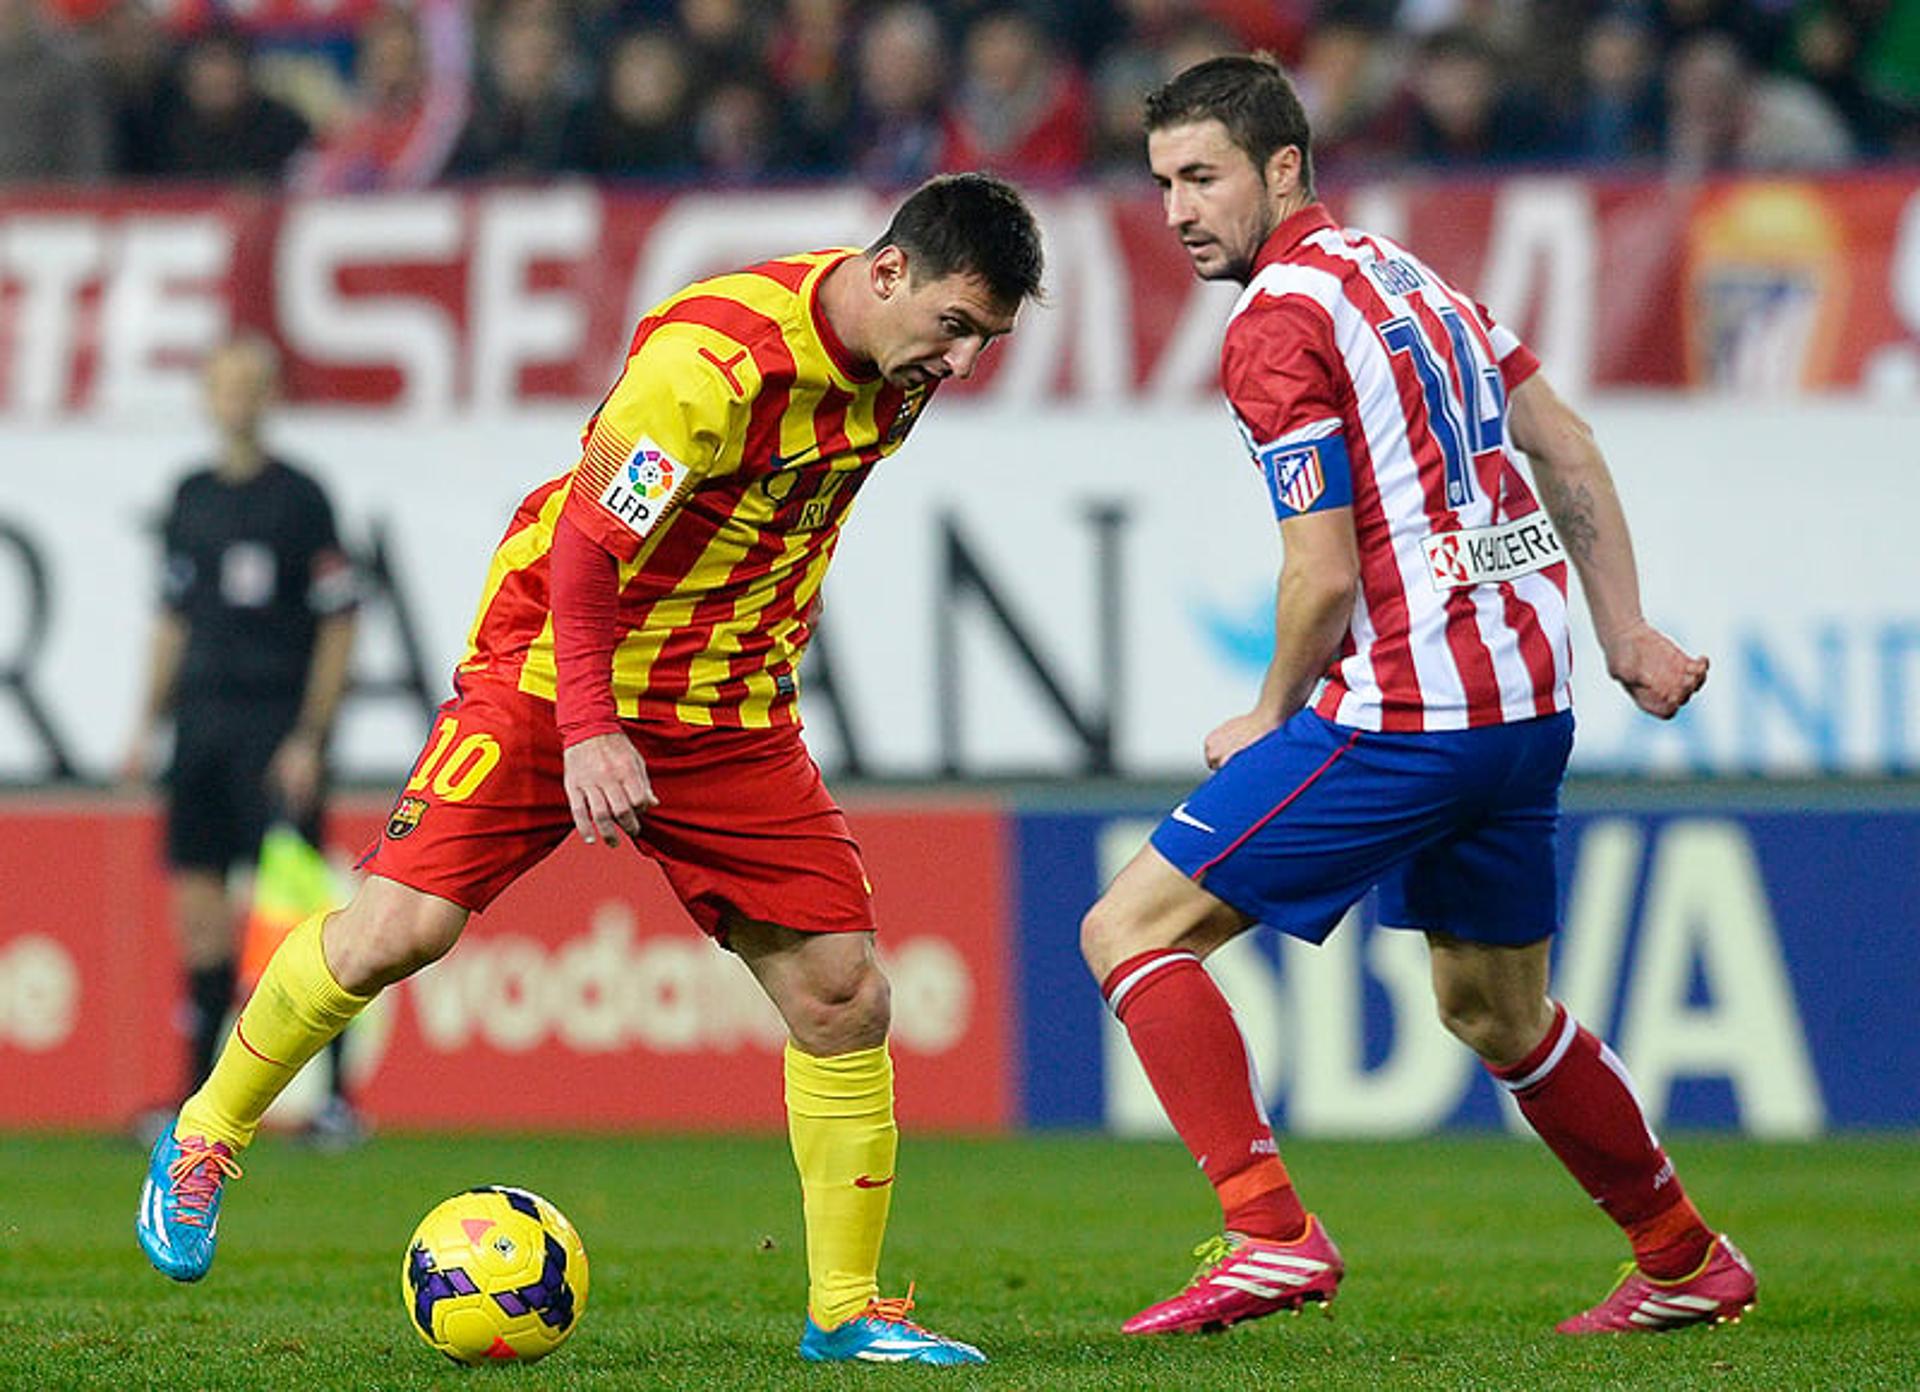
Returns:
<point x="1461" y="1252"/>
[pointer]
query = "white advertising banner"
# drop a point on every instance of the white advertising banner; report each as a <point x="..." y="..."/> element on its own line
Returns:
<point x="1025" y="591"/>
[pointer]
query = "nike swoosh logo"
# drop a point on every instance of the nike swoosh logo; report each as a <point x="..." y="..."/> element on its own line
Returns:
<point x="867" y="1181"/>
<point x="1180" y="814"/>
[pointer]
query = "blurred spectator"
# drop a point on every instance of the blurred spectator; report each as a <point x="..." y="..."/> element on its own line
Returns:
<point x="1131" y="67"/>
<point x="1826" y="50"/>
<point x="1350" y="69"/>
<point x="408" y="108"/>
<point x="133" y="54"/>
<point x="1723" y="115"/>
<point x="1279" y="27"/>
<point x="1020" y="109"/>
<point x="1755" y="27"/>
<point x="1619" y="111"/>
<point x="723" y="37"/>
<point x="739" y="134"/>
<point x="528" y="118"/>
<point x="899" y="139"/>
<point x="54" y="123"/>
<point x="893" y="90"/>
<point x="807" y="61"/>
<point x="1196" y="41"/>
<point x="639" y="127"/>
<point x="220" y="125"/>
<point x="1890" y="63"/>
<point x="1463" y="112"/>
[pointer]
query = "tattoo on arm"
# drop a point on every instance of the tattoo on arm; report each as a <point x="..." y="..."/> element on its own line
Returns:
<point x="1573" y="516"/>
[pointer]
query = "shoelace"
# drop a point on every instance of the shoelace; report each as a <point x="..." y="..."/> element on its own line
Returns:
<point x="893" y="1309"/>
<point x="1212" y="1252"/>
<point x="196" y="1176"/>
<point x="1626" y="1273"/>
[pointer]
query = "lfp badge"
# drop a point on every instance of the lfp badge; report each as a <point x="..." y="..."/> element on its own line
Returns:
<point x="642" y="488"/>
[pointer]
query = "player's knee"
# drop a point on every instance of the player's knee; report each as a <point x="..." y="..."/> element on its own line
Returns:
<point x="1107" y="936"/>
<point x="1498" y="1032"/>
<point x="842" y="1010"/>
<point x="370" y="947"/>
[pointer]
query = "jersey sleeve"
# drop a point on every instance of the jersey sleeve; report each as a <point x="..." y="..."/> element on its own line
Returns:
<point x="677" y="411"/>
<point x="1282" y="373"/>
<point x="178" y="572"/>
<point x="1517" y="361"/>
<point x="332" y="586"/>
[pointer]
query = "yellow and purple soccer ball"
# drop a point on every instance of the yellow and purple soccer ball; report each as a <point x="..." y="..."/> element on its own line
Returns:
<point x="495" y="1275"/>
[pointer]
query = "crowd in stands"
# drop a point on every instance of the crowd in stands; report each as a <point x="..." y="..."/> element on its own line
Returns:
<point x="346" y="95"/>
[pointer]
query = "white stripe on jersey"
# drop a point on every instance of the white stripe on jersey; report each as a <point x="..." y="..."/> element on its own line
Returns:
<point x="1445" y="685"/>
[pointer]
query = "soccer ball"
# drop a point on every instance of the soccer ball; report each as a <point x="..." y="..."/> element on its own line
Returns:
<point x="494" y="1275"/>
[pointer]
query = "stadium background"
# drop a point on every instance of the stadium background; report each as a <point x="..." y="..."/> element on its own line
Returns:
<point x="1064" y="581"/>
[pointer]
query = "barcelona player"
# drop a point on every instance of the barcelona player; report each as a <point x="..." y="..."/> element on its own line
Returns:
<point x="1414" y="725"/>
<point x="633" y="674"/>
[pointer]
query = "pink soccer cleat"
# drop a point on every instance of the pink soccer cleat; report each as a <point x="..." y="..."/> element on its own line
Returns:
<point x="1243" y="1278"/>
<point x="1718" y="1293"/>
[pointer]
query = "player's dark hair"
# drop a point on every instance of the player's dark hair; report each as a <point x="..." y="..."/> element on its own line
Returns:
<point x="1250" y="96"/>
<point x="969" y="224"/>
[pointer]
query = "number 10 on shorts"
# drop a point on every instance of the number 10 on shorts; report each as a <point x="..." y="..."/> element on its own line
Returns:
<point x="455" y="770"/>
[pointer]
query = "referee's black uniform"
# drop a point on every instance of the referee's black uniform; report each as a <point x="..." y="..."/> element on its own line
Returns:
<point x="251" y="569"/>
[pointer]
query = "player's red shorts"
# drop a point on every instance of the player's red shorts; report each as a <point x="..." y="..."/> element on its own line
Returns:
<point x="744" y="827"/>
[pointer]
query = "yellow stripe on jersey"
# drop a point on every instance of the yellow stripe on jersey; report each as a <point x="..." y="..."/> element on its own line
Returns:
<point x="521" y="549"/>
<point x="717" y="472"/>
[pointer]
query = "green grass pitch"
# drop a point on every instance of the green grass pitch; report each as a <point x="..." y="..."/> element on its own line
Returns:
<point x="1462" y="1252"/>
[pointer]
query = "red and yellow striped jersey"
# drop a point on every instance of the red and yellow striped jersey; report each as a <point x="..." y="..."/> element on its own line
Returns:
<point x="718" y="471"/>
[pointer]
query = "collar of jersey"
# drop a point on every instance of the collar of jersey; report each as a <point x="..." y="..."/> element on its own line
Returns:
<point x="843" y="361"/>
<point x="1289" y="234"/>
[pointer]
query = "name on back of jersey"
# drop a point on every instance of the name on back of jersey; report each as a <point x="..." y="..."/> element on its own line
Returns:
<point x="643" y="487"/>
<point x="1488" y="555"/>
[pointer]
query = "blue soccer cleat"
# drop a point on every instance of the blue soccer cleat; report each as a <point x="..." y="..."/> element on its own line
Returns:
<point x="180" y="1203"/>
<point x="882" y="1333"/>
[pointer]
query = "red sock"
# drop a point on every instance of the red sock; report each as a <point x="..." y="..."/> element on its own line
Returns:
<point x="1577" y="1095"/>
<point x="1184" y="1033"/>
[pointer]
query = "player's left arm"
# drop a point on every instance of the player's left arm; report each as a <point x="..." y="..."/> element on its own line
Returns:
<point x="1577" y="490"/>
<point x="1318" y="581"/>
<point x="681" y="404"/>
<point x="1282" y="375"/>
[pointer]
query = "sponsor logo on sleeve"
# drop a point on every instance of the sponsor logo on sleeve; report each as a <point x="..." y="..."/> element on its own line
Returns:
<point x="1489" y="555"/>
<point x="643" y="487"/>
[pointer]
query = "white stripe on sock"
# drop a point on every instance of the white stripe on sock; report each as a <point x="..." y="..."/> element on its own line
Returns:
<point x="1568" y="1029"/>
<point x="1141" y="973"/>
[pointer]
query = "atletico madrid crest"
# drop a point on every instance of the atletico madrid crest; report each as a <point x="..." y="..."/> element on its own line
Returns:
<point x="1295" y="476"/>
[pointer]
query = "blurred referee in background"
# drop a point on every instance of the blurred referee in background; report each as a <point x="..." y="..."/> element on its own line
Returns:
<point x="249" y="659"/>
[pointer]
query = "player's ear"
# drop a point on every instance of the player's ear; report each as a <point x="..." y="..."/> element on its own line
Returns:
<point x="1283" y="170"/>
<point x="888" y="271"/>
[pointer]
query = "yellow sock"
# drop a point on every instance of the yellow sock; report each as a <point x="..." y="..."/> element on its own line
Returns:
<point x="840" y="1121"/>
<point x="292" y="1015"/>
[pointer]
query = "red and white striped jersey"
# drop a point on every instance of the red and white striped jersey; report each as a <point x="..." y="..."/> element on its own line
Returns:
<point x="1360" y="377"/>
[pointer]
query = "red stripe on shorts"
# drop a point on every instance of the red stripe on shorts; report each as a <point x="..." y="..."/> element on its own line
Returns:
<point x="1279" y="807"/>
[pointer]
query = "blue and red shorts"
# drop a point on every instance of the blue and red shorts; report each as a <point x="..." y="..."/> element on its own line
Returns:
<point x="744" y="828"/>
<point x="1456" y="827"/>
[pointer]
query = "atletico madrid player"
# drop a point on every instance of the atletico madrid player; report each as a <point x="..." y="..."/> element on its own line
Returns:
<point x="1414" y="725"/>
<point x="633" y="673"/>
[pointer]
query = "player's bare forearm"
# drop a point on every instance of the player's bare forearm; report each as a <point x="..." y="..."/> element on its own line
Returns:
<point x="1311" y="613"/>
<point x="1308" y="621"/>
<point x="1576" y="488"/>
<point x="607" y="787"/>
